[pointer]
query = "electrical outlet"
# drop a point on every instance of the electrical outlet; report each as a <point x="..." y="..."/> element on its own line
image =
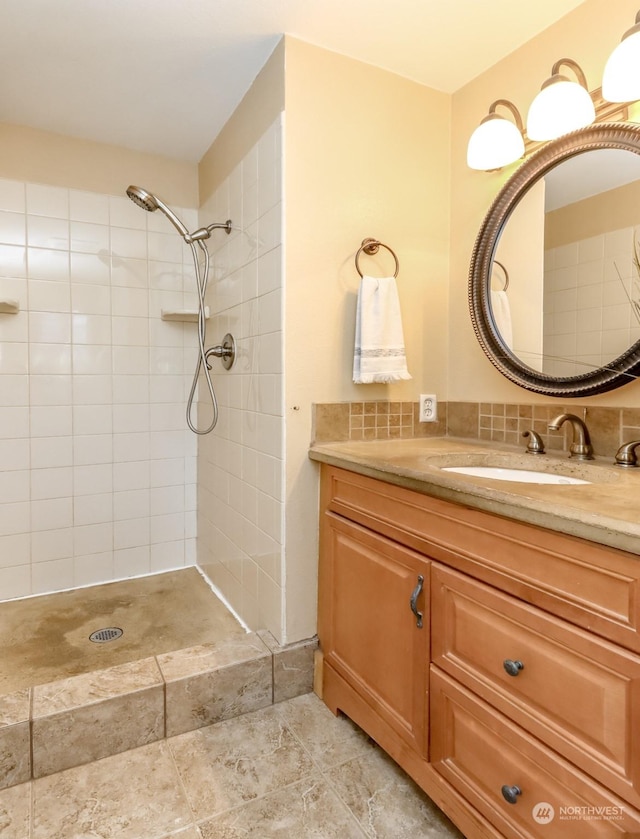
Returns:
<point x="428" y="407"/>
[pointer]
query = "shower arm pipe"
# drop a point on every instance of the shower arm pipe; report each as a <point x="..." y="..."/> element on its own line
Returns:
<point x="205" y="232"/>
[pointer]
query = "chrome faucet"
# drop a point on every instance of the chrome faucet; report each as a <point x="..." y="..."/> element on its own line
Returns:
<point x="626" y="454"/>
<point x="580" y="447"/>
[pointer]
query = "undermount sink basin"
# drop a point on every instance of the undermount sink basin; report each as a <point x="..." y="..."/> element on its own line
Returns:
<point x="509" y="466"/>
<point x="523" y="476"/>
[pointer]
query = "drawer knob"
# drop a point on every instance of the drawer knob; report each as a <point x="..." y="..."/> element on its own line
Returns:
<point x="512" y="667"/>
<point x="414" y="601"/>
<point x="511" y="794"/>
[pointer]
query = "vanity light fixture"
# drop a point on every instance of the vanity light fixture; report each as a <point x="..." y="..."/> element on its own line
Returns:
<point x="497" y="141"/>
<point x="562" y="105"/>
<point x="621" y="79"/>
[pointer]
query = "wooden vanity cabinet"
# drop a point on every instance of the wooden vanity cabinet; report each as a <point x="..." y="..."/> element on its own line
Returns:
<point x="524" y="674"/>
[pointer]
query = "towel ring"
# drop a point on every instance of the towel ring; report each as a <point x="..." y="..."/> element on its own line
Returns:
<point x="371" y="246"/>
<point x="506" y="274"/>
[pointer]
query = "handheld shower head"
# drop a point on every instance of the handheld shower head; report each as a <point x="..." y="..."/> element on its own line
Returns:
<point x="196" y="240"/>
<point x="150" y="202"/>
<point x="142" y="198"/>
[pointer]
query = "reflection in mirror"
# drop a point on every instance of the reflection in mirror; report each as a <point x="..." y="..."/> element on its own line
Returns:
<point x="570" y="247"/>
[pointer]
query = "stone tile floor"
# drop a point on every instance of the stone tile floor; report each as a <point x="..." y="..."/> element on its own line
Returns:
<point x="289" y="770"/>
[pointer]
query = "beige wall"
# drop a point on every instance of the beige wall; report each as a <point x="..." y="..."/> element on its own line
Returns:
<point x="252" y="118"/>
<point x="27" y="154"/>
<point x="366" y="154"/>
<point x="588" y="35"/>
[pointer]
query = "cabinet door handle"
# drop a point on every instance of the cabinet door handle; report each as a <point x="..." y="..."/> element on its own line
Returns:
<point x="512" y="667"/>
<point x="511" y="794"/>
<point x="414" y="601"/>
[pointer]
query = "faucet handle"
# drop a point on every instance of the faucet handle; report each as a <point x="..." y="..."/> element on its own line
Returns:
<point x="535" y="444"/>
<point x="626" y="454"/>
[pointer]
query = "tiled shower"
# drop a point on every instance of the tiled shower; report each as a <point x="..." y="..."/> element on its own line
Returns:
<point x="97" y="478"/>
<point x="98" y="471"/>
<point x="241" y="464"/>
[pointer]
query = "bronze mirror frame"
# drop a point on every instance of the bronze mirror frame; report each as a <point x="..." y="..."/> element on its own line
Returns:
<point x="622" y="370"/>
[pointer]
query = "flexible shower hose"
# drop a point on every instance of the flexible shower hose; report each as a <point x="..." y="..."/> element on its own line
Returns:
<point x="202" y="278"/>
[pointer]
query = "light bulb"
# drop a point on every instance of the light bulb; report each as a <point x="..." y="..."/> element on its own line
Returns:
<point x="621" y="79"/>
<point x="560" y="107"/>
<point x="496" y="142"/>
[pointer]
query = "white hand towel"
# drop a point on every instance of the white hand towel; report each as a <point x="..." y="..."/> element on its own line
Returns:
<point x="379" y="347"/>
<point x="502" y="316"/>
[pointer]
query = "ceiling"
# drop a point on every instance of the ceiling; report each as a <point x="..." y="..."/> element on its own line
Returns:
<point x="163" y="76"/>
<point x="585" y="175"/>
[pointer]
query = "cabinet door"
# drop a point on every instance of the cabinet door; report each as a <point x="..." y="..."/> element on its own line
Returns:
<point x="369" y="633"/>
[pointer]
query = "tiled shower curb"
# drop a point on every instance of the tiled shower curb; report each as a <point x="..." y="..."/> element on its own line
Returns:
<point x="55" y="726"/>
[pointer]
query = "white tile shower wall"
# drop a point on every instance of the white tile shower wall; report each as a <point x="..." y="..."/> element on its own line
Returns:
<point x="97" y="469"/>
<point x="240" y="477"/>
<point x="588" y="287"/>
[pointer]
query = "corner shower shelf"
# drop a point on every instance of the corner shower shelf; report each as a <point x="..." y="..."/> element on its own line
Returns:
<point x="9" y="307"/>
<point x="183" y="315"/>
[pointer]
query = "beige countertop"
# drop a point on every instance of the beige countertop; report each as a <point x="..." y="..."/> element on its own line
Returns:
<point x="606" y="510"/>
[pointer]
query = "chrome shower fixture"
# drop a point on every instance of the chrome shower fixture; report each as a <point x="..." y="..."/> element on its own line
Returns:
<point x="196" y="240"/>
<point x="150" y="202"/>
<point x="205" y="232"/>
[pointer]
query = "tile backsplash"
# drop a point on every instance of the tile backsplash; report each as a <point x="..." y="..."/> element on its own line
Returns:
<point x="486" y="421"/>
<point x="373" y="421"/>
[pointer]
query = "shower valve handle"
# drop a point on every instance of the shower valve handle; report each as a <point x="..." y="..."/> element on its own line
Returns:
<point x="225" y="351"/>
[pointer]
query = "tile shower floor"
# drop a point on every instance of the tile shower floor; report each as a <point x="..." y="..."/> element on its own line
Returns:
<point x="289" y="770"/>
<point x="46" y="638"/>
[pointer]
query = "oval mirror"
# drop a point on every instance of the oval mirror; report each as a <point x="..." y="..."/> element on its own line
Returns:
<point x="554" y="284"/>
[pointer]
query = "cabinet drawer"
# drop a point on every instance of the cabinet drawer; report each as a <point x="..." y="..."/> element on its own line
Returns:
<point x="595" y="587"/>
<point x="367" y="630"/>
<point x="576" y="692"/>
<point x="479" y="751"/>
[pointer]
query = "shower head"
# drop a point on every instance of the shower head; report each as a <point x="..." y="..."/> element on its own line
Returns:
<point x="142" y="198"/>
<point x="150" y="202"/>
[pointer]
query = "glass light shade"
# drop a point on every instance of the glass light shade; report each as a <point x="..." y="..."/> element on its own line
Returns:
<point x="560" y="107"/>
<point x="621" y="79"/>
<point x="496" y="142"/>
